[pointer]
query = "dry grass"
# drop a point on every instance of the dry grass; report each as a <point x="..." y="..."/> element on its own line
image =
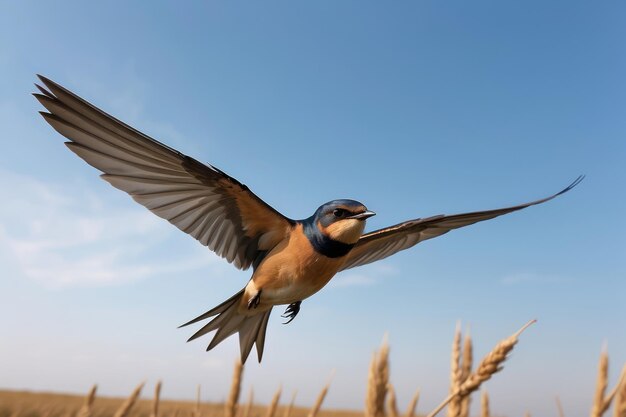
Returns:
<point x="464" y="382"/>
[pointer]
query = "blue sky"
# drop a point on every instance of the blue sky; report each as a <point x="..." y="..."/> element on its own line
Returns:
<point x="414" y="108"/>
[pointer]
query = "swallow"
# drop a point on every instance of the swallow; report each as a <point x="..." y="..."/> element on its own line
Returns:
<point x="290" y="259"/>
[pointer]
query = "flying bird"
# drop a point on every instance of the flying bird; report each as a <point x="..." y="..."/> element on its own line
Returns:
<point x="290" y="259"/>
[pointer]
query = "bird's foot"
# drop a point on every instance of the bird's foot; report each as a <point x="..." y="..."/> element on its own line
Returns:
<point x="254" y="301"/>
<point x="291" y="312"/>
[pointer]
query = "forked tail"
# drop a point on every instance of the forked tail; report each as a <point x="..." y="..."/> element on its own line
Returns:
<point x="251" y="329"/>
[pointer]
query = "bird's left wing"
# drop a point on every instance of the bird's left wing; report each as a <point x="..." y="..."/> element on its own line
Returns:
<point x="202" y="201"/>
<point x="382" y="243"/>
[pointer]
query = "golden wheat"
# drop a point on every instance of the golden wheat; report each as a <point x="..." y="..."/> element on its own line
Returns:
<point x="378" y="379"/>
<point x="484" y="404"/>
<point x="454" y="407"/>
<point x="125" y="408"/>
<point x="392" y="404"/>
<point x="155" y="402"/>
<point x="271" y="410"/>
<point x="290" y="406"/>
<point x="619" y="408"/>
<point x="559" y="406"/>
<point x="247" y="410"/>
<point x="230" y="407"/>
<point x="490" y="364"/>
<point x="320" y="400"/>
<point x="196" y="410"/>
<point x="87" y="408"/>
<point x="410" y="410"/>
<point x="466" y="370"/>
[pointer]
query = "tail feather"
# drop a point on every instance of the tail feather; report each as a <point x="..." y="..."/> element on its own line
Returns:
<point x="215" y="310"/>
<point x="251" y="329"/>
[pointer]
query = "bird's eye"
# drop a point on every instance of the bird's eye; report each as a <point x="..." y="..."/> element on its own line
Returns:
<point x="339" y="212"/>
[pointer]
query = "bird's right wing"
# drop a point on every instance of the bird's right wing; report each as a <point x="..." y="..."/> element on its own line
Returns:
<point x="202" y="201"/>
<point x="382" y="243"/>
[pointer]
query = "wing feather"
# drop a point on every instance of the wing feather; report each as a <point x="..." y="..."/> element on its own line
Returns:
<point x="199" y="199"/>
<point x="385" y="242"/>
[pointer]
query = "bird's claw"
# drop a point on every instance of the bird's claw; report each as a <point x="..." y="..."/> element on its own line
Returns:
<point x="254" y="301"/>
<point x="291" y="312"/>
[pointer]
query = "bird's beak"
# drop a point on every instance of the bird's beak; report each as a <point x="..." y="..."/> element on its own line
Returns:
<point x="363" y="216"/>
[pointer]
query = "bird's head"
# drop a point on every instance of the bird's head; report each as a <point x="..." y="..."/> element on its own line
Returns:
<point x="342" y="220"/>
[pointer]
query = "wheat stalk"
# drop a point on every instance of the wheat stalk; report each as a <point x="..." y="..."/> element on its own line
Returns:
<point x="155" y="402"/>
<point x="454" y="407"/>
<point x="490" y="364"/>
<point x="271" y="410"/>
<point x="484" y="404"/>
<point x="196" y="410"/>
<point x="246" y="411"/>
<point x="466" y="370"/>
<point x="602" y="381"/>
<point x="559" y="406"/>
<point x="410" y="410"/>
<point x="290" y="406"/>
<point x="125" y="408"/>
<point x="230" y="407"/>
<point x="392" y="404"/>
<point x="602" y="402"/>
<point x="378" y="379"/>
<point x="619" y="409"/>
<point x="320" y="398"/>
<point x="87" y="409"/>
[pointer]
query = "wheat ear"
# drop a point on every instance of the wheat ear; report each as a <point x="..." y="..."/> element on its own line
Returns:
<point x="319" y="401"/>
<point x="230" y="407"/>
<point x="602" y="381"/>
<point x="290" y="406"/>
<point x="410" y="410"/>
<point x="196" y="410"/>
<point x="490" y="364"/>
<point x="87" y="408"/>
<point x="155" y="402"/>
<point x="484" y="404"/>
<point x="392" y="404"/>
<point x="125" y="408"/>
<point x="248" y="409"/>
<point x="271" y="410"/>
<point x="466" y="370"/>
<point x="619" y="408"/>
<point x="454" y="407"/>
<point x="559" y="406"/>
<point x="378" y="379"/>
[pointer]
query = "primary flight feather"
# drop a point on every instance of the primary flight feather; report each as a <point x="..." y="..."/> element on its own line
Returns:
<point x="291" y="259"/>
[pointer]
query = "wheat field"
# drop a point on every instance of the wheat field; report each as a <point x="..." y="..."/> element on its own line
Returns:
<point x="380" y="400"/>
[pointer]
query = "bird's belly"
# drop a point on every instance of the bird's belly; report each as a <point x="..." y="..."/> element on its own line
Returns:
<point x="293" y="272"/>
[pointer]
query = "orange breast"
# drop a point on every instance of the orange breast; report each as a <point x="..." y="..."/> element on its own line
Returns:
<point x="293" y="271"/>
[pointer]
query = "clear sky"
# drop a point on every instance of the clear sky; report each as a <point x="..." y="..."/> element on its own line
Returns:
<point x="414" y="108"/>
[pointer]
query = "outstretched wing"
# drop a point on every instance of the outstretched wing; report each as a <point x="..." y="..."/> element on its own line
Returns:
<point x="202" y="201"/>
<point x="382" y="243"/>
